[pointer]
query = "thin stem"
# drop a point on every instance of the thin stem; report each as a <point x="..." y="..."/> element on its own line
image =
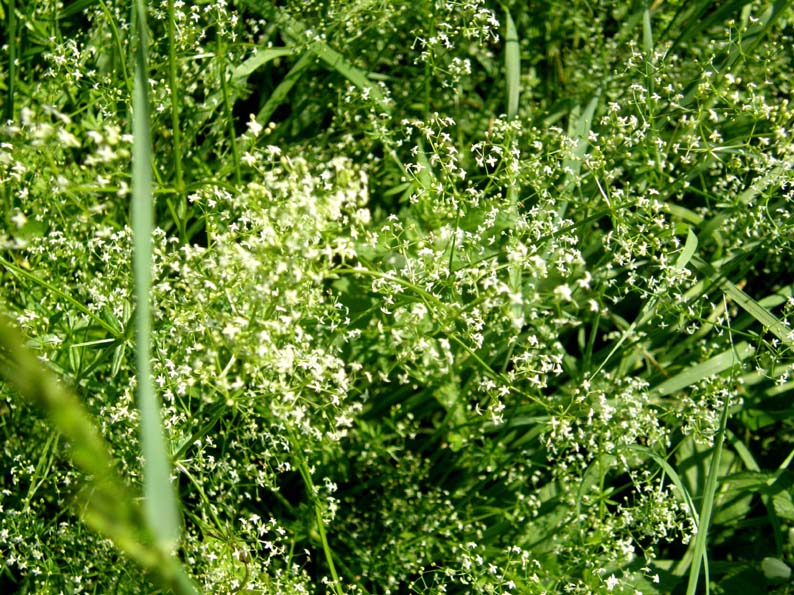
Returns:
<point x="700" y="556"/>
<point x="11" y="36"/>
<point x="227" y="106"/>
<point x="303" y="468"/>
<point x="175" y="128"/>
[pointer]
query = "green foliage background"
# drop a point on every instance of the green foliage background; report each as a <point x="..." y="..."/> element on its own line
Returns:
<point x="448" y="296"/>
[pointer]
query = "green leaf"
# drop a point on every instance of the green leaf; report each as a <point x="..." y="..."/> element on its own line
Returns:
<point x="280" y="93"/>
<point x="775" y="570"/>
<point x="761" y="314"/>
<point x="160" y="505"/>
<point x="684" y="492"/>
<point x="700" y="551"/>
<point x="109" y="506"/>
<point x="512" y="66"/>
<point x="294" y="29"/>
<point x="715" y="365"/>
<point x="689" y="250"/>
<point x="647" y="32"/>
<point x="784" y="507"/>
<point x="261" y="57"/>
<point x="75" y="7"/>
<point x="579" y="125"/>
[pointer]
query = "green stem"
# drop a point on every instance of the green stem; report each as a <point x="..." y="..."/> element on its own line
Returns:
<point x="175" y="128"/>
<point x="119" y="47"/>
<point x="115" y="333"/>
<point x="303" y="468"/>
<point x="700" y="556"/>
<point x="11" y="36"/>
<point x="227" y="106"/>
<point x="709" y="494"/>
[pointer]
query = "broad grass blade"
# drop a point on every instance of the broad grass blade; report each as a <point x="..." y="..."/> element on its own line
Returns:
<point x="109" y="505"/>
<point x="715" y="365"/>
<point x="512" y="66"/>
<point x="160" y="505"/>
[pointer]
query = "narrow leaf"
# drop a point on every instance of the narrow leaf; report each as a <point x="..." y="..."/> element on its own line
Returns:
<point x="751" y="306"/>
<point x="761" y="314"/>
<point x="689" y="250"/>
<point x="647" y="32"/>
<point x="700" y="555"/>
<point x="579" y="126"/>
<point x="109" y="505"/>
<point x="512" y="66"/>
<point x="335" y="60"/>
<point x="260" y="58"/>
<point x="686" y="497"/>
<point x="715" y="365"/>
<point x="160" y="506"/>
<point x="280" y="93"/>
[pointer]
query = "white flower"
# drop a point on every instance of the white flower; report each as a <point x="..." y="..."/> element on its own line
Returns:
<point x="19" y="219"/>
<point x="563" y="292"/>
<point x="254" y="127"/>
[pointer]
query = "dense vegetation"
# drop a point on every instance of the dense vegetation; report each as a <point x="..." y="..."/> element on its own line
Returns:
<point x="445" y="296"/>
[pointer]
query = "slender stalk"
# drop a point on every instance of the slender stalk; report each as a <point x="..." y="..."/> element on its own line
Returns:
<point x="303" y="468"/>
<point x="176" y="132"/>
<point x="111" y="21"/>
<point x="11" y="37"/>
<point x="227" y="106"/>
<point x="701" y="540"/>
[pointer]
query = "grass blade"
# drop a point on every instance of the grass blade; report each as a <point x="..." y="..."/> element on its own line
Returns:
<point x="22" y="369"/>
<point x="701" y="539"/>
<point x="715" y="365"/>
<point x="260" y="58"/>
<point x="109" y="506"/>
<point x="512" y="66"/>
<point x="11" y="41"/>
<point x="579" y="126"/>
<point x="689" y="250"/>
<point x="751" y="306"/>
<point x="750" y="463"/>
<point x="160" y="506"/>
<point x="336" y="61"/>
<point x="19" y="271"/>
<point x="173" y="84"/>
<point x="761" y="314"/>
<point x="647" y="32"/>
<point x="686" y="497"/>
<point x="280" y="93"/>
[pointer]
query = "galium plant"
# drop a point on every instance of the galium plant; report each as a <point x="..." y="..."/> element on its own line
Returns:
<point x="447" y="297"/>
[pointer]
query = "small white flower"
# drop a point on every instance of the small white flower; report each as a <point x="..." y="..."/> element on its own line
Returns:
<point x="19" y="219"/>
<point x="254" y="127"/>
<point x="563" y="292"/>
<point x="231" y="331"/>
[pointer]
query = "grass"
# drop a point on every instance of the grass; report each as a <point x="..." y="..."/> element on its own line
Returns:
<point x="160" y="503"/>
<point x="463" y="297"/>
<point x="700" y="557"/>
